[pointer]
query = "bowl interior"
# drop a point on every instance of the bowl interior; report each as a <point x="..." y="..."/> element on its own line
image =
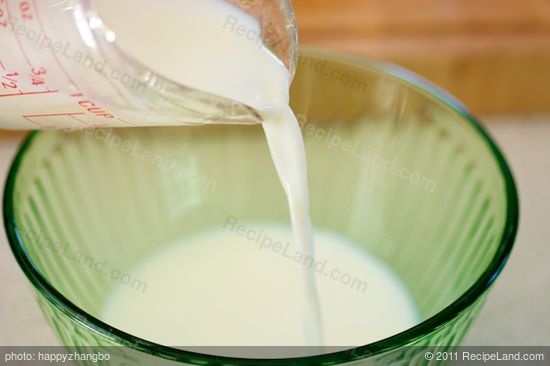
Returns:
<point x="401" y="172"/>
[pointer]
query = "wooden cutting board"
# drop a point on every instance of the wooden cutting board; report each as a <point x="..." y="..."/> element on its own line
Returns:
<point x="494" y="55"/>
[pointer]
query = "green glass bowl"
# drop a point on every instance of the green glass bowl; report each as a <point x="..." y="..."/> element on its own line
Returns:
<point x="396" y="165"/>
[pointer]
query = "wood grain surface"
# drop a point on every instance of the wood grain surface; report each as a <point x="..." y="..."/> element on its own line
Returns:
<point x="494" y="55"/>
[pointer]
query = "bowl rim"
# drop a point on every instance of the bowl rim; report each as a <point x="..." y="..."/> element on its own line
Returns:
<point x="450" y="312"/>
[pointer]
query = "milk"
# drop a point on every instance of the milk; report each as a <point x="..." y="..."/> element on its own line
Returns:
<point x="198" y="44"/>
<point x="222" y="288"/>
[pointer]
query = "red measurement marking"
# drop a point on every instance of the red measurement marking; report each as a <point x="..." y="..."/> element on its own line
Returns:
<point x="9" y="77"/>
<point x="92" y="107"/>
<point x="79" y="120"/>
<point x="35" y="76"/>
<point x="10" y="81"/>
<point x="2" y="66"/>
<point x="70" y="114"/>
<point x="17" y="37"/>
<point x="9" y="85"/>
<point x="42" y="29"/>
<point x="3" y="21"/>
<point x="30" y="117"/>
<point x="21" y="93"/>
<point x="25" y="9"/>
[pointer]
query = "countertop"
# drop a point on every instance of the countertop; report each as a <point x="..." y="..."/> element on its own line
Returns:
<point x="517" y="311"/>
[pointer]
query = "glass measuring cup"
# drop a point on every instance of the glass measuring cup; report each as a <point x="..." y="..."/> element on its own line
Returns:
<point x="64" y="69"/>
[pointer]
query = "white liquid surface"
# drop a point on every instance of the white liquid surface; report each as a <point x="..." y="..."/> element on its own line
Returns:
<point x="197" y="44"/>
<point x="220" y="289"/>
